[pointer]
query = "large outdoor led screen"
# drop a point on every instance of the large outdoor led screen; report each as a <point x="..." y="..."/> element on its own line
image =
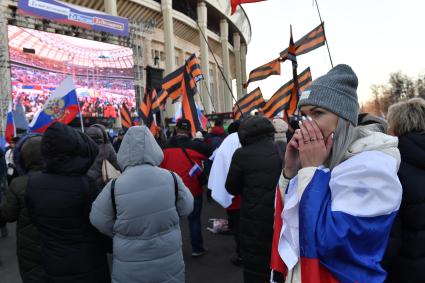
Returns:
<point x="102" y="73"/>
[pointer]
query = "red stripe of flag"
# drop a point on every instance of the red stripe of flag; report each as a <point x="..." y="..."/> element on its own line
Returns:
<point x="235" y="3"/>
<point x="276" y="262"/>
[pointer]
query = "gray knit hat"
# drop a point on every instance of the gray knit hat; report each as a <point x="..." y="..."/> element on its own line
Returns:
<point x="336" y="92"/>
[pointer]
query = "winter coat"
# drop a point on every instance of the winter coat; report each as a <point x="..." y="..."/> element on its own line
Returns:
<point x="281" y="149"/>
<point x="116" y="144"/>
<point x="146" y="233"/>
<point x="106" y="151"/>
<point x="176" y="161"/>
<point x="59" y="201"/>
<point x="3" y="172"/>
<point x="254" y="173"/>
<point x="405" y="256"/>
<point x="13" y="208"/>
<point x="222" y="159"/>
<point x="215" y="137"/>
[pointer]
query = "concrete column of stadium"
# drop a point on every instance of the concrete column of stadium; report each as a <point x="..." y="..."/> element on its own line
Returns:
<point x="147" y="46"/>
<point x="237" y="51"/>
<point x="5" y="84"/>
<point x="243" y="66"/>
<point x="204" y="85"/>
<point x="217" y="89"/>
<point x="224" y="37"/>
<point x="111" y="7"/>
<point x="167" y="15"/>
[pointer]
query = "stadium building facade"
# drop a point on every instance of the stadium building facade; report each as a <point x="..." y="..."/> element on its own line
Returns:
<point x="168" y="31"/>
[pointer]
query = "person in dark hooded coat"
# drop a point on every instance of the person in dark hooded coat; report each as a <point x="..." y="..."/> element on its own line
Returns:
<point x="3" y="188"/>
<point x="404" y="258"/>
<point x="106" y="152"/>
<point x="59" y="201"/>
<point x="216" y="136"/>
<point x="13" y="209"/>
<point x="3" y="172"/>
<point x="254" y="174"/>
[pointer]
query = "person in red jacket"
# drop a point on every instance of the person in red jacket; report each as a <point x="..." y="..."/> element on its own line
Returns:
<point x="186" y="166"/>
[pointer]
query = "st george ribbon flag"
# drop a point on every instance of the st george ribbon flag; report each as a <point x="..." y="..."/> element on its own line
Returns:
<point x="62" y="106"/>
<point x="251" y="101"/>
<point x="126" y="121"/>
<point x="172" y="83"/>
<point x="264" y="71"/>
<point x="312" y="40"/>
<point x="281" y="99"/>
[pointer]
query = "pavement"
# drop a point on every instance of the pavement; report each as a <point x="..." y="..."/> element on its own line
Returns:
<point x="213" y="267"/>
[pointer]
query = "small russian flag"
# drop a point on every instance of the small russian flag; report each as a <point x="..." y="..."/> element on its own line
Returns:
<point x="62" y="106"/>
<point x="10" y="125"/>
<point x="195" y="170"/>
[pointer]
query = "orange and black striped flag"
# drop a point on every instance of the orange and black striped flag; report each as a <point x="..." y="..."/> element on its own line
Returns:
<point x="251" y="101"/>
<point x="292" y="51"/>
<point x="148" y="107"/>
<point x="292" y="56"/>
<point x="161" y="97"/>
<point x="282" y="98"/>
<point x="312" y="40"/>
<point x="188" y="91"/>
<point x="264" y="71"/>
<point x="126" y="121"/>
<point x="195" y="71"/>
<point x="172" y="83"/>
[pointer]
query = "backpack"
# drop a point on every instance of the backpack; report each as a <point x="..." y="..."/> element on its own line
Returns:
<point x="114" y="205"/>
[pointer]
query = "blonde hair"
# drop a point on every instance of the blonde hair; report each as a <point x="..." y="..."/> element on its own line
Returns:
<point x="345" y="135"/>
<point x="407" y="116"/>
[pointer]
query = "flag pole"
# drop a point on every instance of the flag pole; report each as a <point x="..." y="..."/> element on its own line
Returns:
<point x="326" y="40"/>
<point x="81" y="116"/>
<point x="191" y="12"/>
<point x="294" y="71"/>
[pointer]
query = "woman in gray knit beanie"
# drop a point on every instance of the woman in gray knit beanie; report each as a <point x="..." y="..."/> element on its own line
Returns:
<point x="339" y="185"/>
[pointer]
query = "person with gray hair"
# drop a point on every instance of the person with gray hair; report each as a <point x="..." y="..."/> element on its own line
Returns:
<point x="340" y="187"/>
<point x="404" y="259"/>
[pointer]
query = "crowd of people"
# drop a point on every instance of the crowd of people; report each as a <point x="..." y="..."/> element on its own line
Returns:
<point x="350" y="183"/>
<point x="101" y="91"/>
<point x="31" y="60"/>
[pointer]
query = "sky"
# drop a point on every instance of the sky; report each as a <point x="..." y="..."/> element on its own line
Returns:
<point x="374" y="37"/>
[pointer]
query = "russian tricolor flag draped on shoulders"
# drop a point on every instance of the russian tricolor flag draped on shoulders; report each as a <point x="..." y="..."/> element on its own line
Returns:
<point x="62" y="106"/>
<point x="337" y="229"/>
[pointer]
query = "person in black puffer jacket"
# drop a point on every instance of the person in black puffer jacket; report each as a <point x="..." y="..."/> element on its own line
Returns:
<point x="13" y="208"/>
<point x="59" y="201"/>
<point x="404" y="259"/>
<point x="254" y="174"/>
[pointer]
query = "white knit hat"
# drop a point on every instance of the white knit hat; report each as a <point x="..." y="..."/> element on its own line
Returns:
<point x="280" y="126"/>
<point x="199" y="135"/>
